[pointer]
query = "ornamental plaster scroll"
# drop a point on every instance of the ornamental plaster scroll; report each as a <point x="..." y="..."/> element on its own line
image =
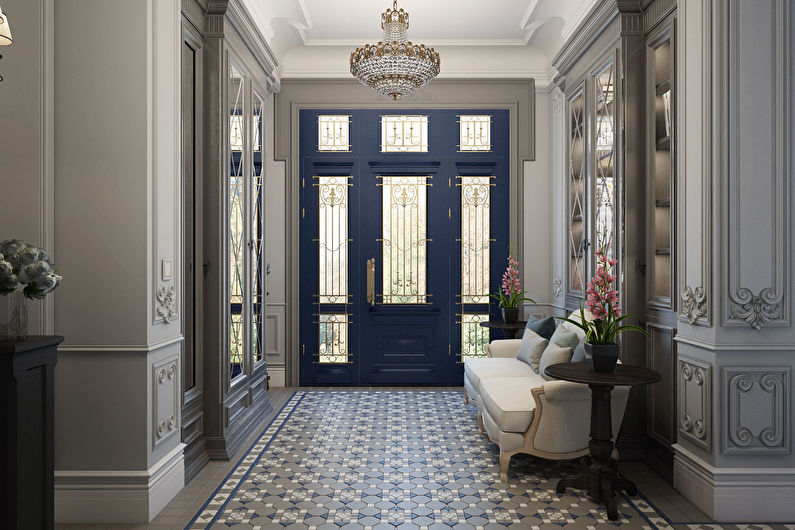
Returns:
<point x="694" y="303"/>
<point x="757" y="310"/>
<point x="166" y="303"/>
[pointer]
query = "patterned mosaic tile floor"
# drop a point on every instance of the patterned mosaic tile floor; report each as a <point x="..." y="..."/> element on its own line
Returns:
<point x="396" y="459"/>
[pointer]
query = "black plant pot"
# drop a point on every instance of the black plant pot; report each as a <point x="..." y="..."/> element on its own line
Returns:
<point x="510" y="315"/>
<point x="601" y="357"/>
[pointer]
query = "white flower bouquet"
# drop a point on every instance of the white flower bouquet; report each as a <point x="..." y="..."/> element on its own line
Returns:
<point x="24" y="264"/>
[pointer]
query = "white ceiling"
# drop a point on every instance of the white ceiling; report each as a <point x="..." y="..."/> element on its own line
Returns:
<point x="314" y="37"/>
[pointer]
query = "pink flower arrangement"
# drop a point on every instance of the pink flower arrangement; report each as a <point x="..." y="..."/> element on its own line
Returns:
<point x="603" y="303"/>
<point x="511" y="295"/>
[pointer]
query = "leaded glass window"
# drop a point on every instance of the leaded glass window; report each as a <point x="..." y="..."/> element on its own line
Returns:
<point x="333" y="338"/>
<point x="404" y="134"/>
<point x="576" y="196"/>
<point x="605" y="157"/>
<point x="333" y="239"/>
<point x="474" y="133"/>
<point x="474" y="337"/>
<point x="257" y="277"/>
<point x="475" y="239"/>
<point x="404" y="240"/>
<point x="236" y="220"/>
<point x="333" y="133"/>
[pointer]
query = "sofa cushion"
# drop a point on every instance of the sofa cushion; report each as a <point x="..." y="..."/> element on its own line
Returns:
<point x="477" y="369"/>
<point x="578" y="356"/>
<point x="575" y="316"/>
<point x="565" y="338"/>
<point x="553" y="354"/>
<point x="543" y="326"/>
<point x="531" y="349"/>
<point x="509" y="402"/>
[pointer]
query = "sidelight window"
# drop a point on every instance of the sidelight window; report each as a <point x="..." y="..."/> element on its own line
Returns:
<point x="404" y="239"/>
<point x="475" y="239"/>
<point x="333" y="338"/>
<point x="474" y="337"/>
<point x="333" y="239"/>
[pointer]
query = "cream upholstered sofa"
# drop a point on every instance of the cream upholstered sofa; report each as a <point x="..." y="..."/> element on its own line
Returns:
<point x="522" y="412"/>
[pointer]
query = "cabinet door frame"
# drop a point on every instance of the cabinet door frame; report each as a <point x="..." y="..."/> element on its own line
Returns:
<point x="580" y="90"/>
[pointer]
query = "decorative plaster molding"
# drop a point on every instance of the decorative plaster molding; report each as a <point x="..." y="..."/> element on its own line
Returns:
<point x="694" y="304"/>
<point x="757" y="410"/>
<point x="757" y="217"/>
<point x="557" y="286"/>
<point x="656" y="12"/>
<point x="756" y="310"/>
<point x="166" y="303"/>
<point x="165" y="399"/>
<point x="695" y="402"/>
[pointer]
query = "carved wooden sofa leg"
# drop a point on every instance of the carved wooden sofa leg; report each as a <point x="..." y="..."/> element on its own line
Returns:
<point x="480" y="424"/>
<point x="466" y="398"/>
<point x="505" y="462"/>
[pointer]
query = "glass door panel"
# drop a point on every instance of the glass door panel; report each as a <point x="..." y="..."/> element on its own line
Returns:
<point x="236" y="220"/>
<point x="257" y="286"/>
<point x="605" y="153"/>
<point x="577" y="189"/>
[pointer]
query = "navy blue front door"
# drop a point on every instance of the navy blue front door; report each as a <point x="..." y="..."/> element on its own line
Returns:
<point x="400" y="248"/>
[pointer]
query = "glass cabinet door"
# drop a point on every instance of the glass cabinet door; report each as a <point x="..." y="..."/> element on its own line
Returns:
<point x="257" y="244"/>
<point x="604" y="149"/>
<point x="237" y="221"/>
<point x="576" y="193"/>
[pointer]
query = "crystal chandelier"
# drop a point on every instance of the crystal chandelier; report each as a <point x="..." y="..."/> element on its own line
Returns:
<point x="395" y="67"/>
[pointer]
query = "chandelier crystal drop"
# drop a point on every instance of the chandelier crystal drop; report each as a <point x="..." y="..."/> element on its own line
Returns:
<point x="395" y="67"/>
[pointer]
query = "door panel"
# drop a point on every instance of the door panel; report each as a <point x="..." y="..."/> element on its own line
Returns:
<point x="398" y="215"/>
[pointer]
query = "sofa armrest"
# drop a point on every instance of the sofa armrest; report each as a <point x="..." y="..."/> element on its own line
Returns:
<point x="562" y="419"/>
<point x="503" y="348"/>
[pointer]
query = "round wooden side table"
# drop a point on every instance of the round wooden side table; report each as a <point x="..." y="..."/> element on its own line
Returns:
<point x="509" y="330"/>
<point x="601" y="478"/>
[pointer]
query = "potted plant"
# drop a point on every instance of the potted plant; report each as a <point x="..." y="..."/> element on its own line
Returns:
<point x="601" y="333"/>
<point x="511" y="294"/>
<point x="22" y="264"/>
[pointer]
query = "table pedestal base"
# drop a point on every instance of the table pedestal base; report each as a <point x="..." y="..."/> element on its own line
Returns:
<point x="601" y="481"/>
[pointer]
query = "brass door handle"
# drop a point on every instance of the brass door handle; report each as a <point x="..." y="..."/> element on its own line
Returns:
<point x="371" y="281"/>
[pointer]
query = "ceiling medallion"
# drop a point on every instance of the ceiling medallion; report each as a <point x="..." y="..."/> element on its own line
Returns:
<point x="395" y="67"/>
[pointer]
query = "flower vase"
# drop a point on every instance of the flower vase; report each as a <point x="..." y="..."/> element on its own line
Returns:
<point x="510" y="315"/>
<point x="13" y="317"/>
<point x="601" y="357"/>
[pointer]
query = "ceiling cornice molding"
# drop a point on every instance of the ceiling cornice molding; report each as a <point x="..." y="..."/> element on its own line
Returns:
<point x="243" y="22"/>
<point x="577" y="18"/>
<point x="356" y="43"/>
<point x="598" y="19"/>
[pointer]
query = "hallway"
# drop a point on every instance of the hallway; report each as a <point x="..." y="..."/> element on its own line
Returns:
<point x="395" y="458"/>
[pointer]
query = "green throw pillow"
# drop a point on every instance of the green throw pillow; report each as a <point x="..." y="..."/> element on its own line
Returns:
<point x="564" y="338"/>
<point x="543" y="326"/>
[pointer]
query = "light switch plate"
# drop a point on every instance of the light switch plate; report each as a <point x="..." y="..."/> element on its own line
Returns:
<point x="165" y="270"/>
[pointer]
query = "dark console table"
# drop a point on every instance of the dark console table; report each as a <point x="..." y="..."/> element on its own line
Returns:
<point x="601" y="478"/>
<point x="509" y="330"/>
<point x="27" y="463"/>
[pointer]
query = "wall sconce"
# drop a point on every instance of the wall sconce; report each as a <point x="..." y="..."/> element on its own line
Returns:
<point x="5" y="30"/>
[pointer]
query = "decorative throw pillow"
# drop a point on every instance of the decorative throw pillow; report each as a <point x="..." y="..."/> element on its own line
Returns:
<point x="542" y="326"/>
<point x="564" y="338"/>
<point x="575" y="316"/>
<point x="531" y="348"/>
<point x="579" y="353"/>
<point x="553" y="354"/>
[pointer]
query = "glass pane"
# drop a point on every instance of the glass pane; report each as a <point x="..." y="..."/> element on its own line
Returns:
<point x="333" y="133"/>
<point x="333" y="239"/>
<point x="605" y="158"/>
<point x="236" y="221"/>
<point x="475" y="240"/>
<point x="404" y="240"/>
<point x="576" y="193"/>
<point x="473" y="336"/>
<point x="257" y="220"/>
<point x="404" y="134"/>
<point x="333" y="338"/>
<point x="475" y="133"/>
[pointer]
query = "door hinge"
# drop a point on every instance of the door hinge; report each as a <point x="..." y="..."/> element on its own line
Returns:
<point x="449" y="348"/>
<point x="303" y="182"/>
<point x="303" y="213"/>
<point x="449" y="182"/>
<point x="449" y="213"/>
<point x="303" y="350"/>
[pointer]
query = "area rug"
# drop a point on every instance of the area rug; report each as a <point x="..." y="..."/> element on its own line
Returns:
<point x="360" y="460"/>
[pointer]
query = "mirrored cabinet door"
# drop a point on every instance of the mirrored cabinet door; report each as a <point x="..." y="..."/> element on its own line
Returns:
<point x="236" y="218"/>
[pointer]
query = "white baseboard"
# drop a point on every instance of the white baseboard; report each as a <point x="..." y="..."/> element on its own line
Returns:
<point x="735" y="494"/>
<point x="119" y="496"/>
<point x="278" y="376"/>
